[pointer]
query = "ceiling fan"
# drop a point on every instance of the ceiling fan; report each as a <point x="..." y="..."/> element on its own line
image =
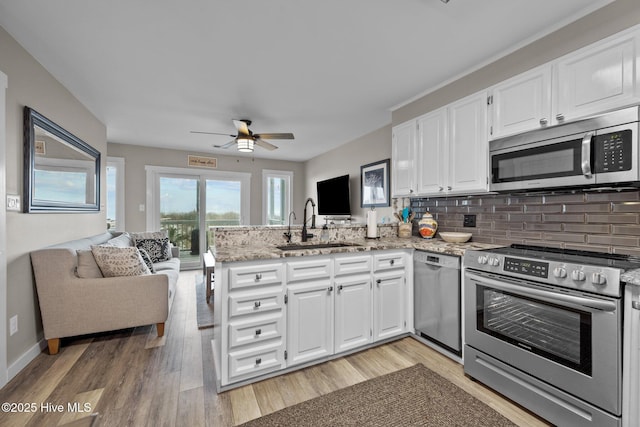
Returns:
<point x="245" y="139"/>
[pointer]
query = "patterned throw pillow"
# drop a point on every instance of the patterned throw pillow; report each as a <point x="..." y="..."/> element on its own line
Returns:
<point x="114" y="261"/>
<point x="158" y="249"/>
<point x="147" y="259"/>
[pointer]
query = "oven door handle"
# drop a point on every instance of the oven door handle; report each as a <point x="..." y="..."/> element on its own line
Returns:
<point x="590" y="304"/>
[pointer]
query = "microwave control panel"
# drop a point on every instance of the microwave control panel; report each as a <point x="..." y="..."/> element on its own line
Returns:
<point x="613" y="151"/>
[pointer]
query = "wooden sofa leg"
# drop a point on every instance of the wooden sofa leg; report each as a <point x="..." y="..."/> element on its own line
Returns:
<point x="54" y="345"/>
<point x="160" y="328"/>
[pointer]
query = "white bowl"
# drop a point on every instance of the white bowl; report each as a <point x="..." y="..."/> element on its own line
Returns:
<point x="453" y="237"/>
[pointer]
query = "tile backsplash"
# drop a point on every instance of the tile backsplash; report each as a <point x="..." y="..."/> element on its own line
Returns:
<point x="595" y="221"/>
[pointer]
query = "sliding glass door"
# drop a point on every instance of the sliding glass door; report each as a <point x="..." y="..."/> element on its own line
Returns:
<point x="188" y="204"/>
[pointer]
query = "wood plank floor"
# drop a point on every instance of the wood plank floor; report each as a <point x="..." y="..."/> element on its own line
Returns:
<point x="131" y="377"/>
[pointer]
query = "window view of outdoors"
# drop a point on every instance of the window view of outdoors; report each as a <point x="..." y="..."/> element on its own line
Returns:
<point x="181" y="207"/>
<point x="111" y="198"/>
<point x="276" y="198"/>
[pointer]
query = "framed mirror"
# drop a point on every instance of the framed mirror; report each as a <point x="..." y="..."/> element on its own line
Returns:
<point x="61" y="171"/>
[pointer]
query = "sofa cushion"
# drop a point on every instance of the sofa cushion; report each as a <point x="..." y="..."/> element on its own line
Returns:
<point x="170" y="264"/>
<point x="87" y="266"/>
<point x="147" y="259"/>
<point x="114" y="261"/>
<point x="122" y="241"/>
<point x="158" y="249"/>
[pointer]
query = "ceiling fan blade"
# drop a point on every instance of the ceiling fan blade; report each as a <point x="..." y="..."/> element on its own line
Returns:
<point x="265" y="144"/>
<point x="213" y="133"/>
<point x="227" y="145"/>
<point x="242" y="126"/>
<point x="286" y="135"/>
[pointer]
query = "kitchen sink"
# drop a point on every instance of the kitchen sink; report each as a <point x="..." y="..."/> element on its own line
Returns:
<point x="297" y="247"/>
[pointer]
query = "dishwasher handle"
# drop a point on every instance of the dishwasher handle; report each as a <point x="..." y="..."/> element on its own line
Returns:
<point x="437" y="260"/>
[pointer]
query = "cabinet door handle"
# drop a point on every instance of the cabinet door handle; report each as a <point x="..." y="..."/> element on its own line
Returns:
<point x="258" y="277"/>
<point x="256" y="304"/>
<point x="258" y="361"/>
<point x="258" y="332"/>
<point x="543" y="121"/>
<point x="330" y="289"/>
<point x="379" y="281"/>
<point x="560" y="117"/>
<point x="440" y="188"/>
<point x="340" y="288"/>
<point x="449" y="187"/>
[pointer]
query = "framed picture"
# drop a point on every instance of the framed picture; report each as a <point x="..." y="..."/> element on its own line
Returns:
<point x="374" y="184"/>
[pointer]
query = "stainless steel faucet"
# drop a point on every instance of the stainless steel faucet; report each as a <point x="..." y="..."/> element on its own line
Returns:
<point x="288" y="233"/>
<point x="306" y="235"/>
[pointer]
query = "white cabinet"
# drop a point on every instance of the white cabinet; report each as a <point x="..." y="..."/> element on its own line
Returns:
<point x="432" y="153"/>
<point x="389" y="303"/>
<point x="597" y="78"/>
<point x="310" y="321"/>
<point x="252" y="331"/>
<point x="521" y="103"/>
<point x="403" y="159"/>
<point x="352" y="311"/>
<point x="468" y="142"/>
<point x="310" y="310"/>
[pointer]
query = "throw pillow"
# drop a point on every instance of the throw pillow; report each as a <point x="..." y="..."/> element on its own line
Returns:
<point x="87" y="266"/>
<point x="122" y="241"/>
<point x="158" y="249"/>
<point x="114" y="261"/>
<point x="147" y="260"/>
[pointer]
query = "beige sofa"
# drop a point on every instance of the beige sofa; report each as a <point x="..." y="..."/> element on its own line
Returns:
<point x="71" y="305"/>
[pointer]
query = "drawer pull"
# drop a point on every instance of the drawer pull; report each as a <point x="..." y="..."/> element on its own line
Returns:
<point x="258" y="361"/>
<point x="256" y="304"/>
<point x="258" y="277"/>
<point x="258" y="332"/>
<point x="392" y="261"/>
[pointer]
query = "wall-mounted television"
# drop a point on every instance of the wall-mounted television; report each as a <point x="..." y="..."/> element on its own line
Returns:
<point x="333" y="196"/>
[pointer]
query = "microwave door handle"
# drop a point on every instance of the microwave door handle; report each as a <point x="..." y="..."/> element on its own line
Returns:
<point x="586" y="154"/>
<point x="580" y="302"/>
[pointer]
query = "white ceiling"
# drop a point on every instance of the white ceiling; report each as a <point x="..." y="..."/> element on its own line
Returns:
<point x="329" y="71"/>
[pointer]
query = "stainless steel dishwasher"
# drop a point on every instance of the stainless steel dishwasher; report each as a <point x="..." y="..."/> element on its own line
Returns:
<point x="436" y="281"/>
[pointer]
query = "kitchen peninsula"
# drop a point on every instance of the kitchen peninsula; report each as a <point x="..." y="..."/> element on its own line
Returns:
<point x="282" y="307"/>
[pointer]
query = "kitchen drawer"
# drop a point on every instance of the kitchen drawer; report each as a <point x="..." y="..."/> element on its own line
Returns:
<point x="254" y="275"/>
<point x="308" y="269"/>
<point x="388" y="261"/>
<point x="352" y="264"/>
<point x="256" y="331"/>
<point x="243" y="303"/>
<point x="256" y="361"/>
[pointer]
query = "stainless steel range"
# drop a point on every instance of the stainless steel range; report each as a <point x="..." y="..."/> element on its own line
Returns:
<point x="544" y="327"/>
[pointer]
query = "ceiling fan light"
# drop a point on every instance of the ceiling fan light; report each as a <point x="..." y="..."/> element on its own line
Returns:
<point x="245" y="145"/>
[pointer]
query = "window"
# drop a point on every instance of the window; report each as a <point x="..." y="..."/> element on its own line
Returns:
<point x="115" y="193"/>
<point x="276" y="196"/>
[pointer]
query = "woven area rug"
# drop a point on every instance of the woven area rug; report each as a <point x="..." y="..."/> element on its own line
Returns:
<point x="205" y="311"/>
<point x="414" y="396"/>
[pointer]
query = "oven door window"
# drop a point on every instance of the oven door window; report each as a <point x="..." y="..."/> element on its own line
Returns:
<point x="557" y="333"/>
<point x="546" y="161"/>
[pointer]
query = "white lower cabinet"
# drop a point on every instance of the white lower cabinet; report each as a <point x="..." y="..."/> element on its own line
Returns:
<point x="389" y="304"/>
<point x="310" y="321"/>
<point x="352" y="312"/>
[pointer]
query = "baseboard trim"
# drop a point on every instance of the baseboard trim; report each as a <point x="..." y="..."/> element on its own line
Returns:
<point x="22" y="362"/>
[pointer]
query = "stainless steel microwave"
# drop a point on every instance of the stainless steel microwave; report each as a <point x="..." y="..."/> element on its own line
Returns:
<point x="597" y="151"/>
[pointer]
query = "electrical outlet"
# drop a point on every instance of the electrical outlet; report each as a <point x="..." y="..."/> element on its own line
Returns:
<point x="13" y="325"/>
<point x="469" y="221"/>
<point x="13" y="202"/>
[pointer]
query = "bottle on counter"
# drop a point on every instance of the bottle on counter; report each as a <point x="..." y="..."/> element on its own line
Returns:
<point x="324" y="234"/>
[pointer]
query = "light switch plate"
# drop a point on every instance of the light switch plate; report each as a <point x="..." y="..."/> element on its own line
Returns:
<point x="13" y="202"/>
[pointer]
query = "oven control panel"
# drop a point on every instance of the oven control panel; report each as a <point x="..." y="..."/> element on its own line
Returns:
<point x="526" y="267"/>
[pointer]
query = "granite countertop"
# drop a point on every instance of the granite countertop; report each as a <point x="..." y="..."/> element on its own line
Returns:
<point x="254" y="252"/>
<point x="631" y="277"/>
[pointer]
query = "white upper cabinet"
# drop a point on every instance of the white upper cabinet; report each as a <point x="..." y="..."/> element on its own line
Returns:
<point x="432" y="153"/>
<point x="403" y="155"/>
<point x="468" y="144"/>
<point x="597" y="78"/>
<point x="522" y="103"/>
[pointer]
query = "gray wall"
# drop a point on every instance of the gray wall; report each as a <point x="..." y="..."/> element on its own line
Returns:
<point x="137" y="157"/>
<point x="31" y="85"/>
<point x="604" y="22"/>
<point x="347" y="159"/>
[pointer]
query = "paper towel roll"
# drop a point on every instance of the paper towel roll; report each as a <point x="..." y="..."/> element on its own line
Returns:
<point x="372" y="224"/>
